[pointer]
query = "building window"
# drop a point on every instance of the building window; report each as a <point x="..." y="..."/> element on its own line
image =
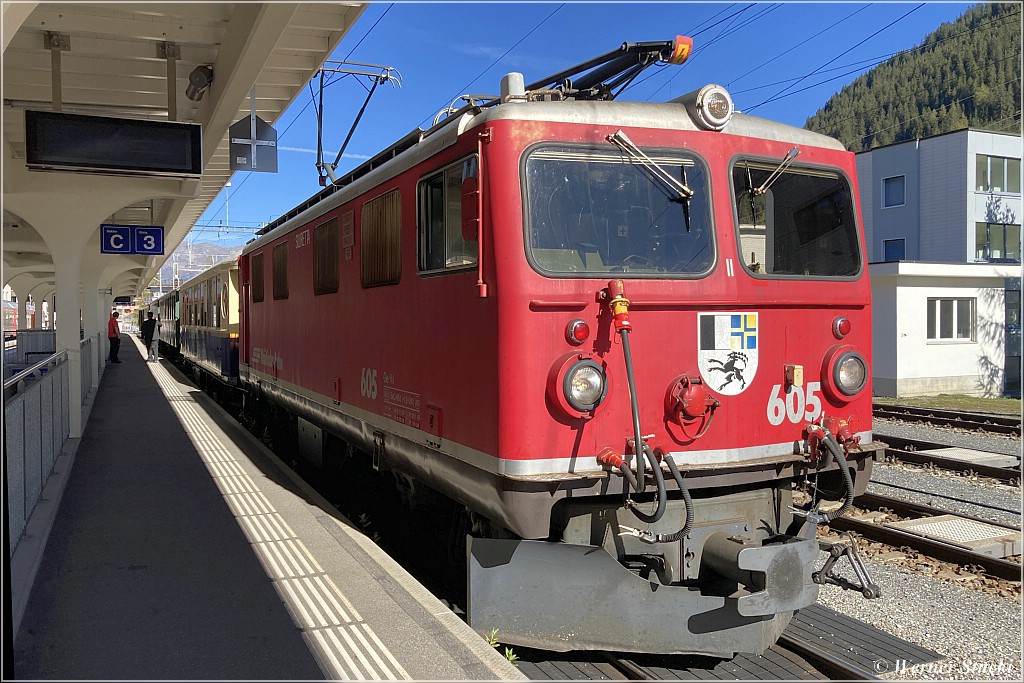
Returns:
<point x="951" y="319"/>
<point x="381" y="240"/>
<point x="281" y="271"/>
<point x="325" y="257"/>
<point x="997" y="174"/>
<point x="257" y="277"/>
<point x="996" y="242"/>
<point x="441" y="241"/>
<point x="894" y="250"/>
<point x="894" y="191"/>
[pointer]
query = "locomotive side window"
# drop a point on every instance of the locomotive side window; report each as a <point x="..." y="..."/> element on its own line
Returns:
<point x="325" y="257"/>
<point x="381" y="240"/>
<point x="590" y="212"/>
<point x="281" y="271"/>
<point x="442" y="244"/>
<point x="257" y="277"/>
<point x="800" y="223"/>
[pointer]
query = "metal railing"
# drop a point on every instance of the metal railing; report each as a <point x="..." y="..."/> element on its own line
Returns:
<point x="88" y="366"/>
<point x="36" y="426"/>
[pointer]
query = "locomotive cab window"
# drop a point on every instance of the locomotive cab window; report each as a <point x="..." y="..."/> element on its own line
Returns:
<point x="443" y="241"/>
<point x="595" y="211"/>
<point x="796" y="222"/>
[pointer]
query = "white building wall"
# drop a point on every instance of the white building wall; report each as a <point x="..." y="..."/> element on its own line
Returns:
<point x="884" y="323"/>
<point x="922" y="366"/>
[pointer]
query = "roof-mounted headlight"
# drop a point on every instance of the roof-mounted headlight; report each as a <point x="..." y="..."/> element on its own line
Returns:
<point x="711" y="106"/>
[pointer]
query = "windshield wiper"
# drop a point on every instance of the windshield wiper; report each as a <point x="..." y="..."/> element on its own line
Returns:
<point x="792" y="154"/>
<point x="681" y="193"/>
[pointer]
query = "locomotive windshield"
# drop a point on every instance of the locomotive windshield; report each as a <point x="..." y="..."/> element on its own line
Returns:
<point x="595" y="211"/>
<point x="801" y="223"/>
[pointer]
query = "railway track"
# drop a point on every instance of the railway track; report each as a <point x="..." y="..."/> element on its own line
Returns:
<point x="820" y="644"/>
<point x="963" y="553"/>
<point x="918" y="452"/>
<point x="996" y="424"/>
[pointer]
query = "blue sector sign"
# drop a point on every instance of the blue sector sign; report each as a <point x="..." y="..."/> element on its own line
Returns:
<point x="149" y="240"/>
<point x="132" y="239"/>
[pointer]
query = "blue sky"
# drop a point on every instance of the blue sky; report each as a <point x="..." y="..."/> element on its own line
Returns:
<point x="779" y="60"/>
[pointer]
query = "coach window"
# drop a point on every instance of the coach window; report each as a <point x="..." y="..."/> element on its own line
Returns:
<point x="442" y="244"/>
<point x="325" y="257"/>
<point x="595" y="211"/>
<point x="216" y="302"/>
<point x="795" y="222"/>
<point x="257" y="277"/>
<point x="281" y="271"/>
<point x="380" y="249"/>
<point x="202" y="304"/>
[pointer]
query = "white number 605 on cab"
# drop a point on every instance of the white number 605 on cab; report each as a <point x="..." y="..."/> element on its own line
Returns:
<point x="798" y="405"/>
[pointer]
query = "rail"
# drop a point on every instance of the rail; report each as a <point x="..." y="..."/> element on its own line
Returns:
<point x="36" y="426"/>
<point x="997" y="424"/>
<point x="941" y="550"/>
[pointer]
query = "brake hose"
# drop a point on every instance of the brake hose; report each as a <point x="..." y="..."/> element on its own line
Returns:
<point x="837" y="454"/>
<point x="634" y="406"/>
<point x="687" y="502"/>
<point x="651" y="537"/>
<point x="619" y="306"/>
<point x="659" y="479"/>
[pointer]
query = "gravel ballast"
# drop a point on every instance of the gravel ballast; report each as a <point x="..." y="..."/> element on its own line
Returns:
<point x="978" y="633"/>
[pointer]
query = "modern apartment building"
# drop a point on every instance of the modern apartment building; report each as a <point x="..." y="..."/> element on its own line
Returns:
<point x="942" y="219"/>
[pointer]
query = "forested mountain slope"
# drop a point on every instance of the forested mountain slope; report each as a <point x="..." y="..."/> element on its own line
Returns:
<point x="965" y="74"/>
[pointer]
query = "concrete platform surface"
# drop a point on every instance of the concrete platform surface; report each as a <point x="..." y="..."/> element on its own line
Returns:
<point x="183" y="549"/>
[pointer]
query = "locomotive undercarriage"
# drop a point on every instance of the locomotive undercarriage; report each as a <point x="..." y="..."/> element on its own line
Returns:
<point x="729" y="585"/>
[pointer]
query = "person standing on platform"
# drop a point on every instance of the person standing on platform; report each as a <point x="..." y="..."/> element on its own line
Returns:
<point x="114" y="337"/>
<point x="148" y="334"/>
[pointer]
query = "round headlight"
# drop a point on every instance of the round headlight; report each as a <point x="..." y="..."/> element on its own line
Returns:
<point x="584" y="385"/>
<point x="714" y="107"/>
<point x="851" y="373"/>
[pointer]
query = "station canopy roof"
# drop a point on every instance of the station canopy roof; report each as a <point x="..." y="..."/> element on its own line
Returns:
<point x="111" y="60"/>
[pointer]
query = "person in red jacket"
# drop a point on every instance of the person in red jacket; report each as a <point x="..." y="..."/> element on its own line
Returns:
<point x="114" y="337"/>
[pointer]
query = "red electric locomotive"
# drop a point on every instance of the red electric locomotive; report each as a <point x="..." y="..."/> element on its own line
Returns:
<point x="620" y="334"/>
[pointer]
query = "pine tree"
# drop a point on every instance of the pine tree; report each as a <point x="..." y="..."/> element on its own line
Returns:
<point x="965" y="73"/>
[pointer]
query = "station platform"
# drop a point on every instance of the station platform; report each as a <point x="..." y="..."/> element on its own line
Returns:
<point x="182" y="548"/>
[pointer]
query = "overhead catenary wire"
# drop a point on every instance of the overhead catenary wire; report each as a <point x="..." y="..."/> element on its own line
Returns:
<point x="844" y="52"/>
<point x="311" y="100"/>
<point x="490" y="66"/>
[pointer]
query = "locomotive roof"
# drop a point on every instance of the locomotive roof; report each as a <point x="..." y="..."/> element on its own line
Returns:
<point x="421" y="144"/>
